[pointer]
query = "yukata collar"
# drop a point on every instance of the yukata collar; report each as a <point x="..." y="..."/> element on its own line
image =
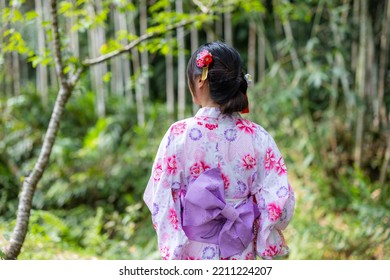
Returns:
<point x="212" y="112"/>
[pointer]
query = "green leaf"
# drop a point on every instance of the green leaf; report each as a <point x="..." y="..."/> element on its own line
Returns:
<point x="2" y="255"/>
<point x="15" y="42"/>
<point x="110" y="46"/>
<point x="107" y="77"/>
<point x="253" y="6"/>
<point x="31" y="15"/>
<point x="35" y="60"/>
<point x="17" y="16"/>
<point x="159" y="5"/>
<point x="65" y="7"/>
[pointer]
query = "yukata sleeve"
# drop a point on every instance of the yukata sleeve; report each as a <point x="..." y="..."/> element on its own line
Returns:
<point x="162" y="198"/>
<point x="276" y="202"/>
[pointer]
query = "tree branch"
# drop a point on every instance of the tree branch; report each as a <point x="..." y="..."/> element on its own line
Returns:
<point x="134" y="43"/>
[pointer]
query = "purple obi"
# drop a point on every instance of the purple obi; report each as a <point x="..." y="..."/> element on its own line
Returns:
<point x="208" y="218"/>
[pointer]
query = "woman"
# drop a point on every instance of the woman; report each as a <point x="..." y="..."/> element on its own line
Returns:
<point x="219" y="187"/>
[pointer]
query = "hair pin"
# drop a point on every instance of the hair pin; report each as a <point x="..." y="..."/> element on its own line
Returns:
<point x="248" y="78"/>
<point x="203" y="60"/>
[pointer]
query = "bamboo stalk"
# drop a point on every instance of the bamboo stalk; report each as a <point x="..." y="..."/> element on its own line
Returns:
<point x="181" y="65"/>
<point x="169" y="75"/>
<point x="252" y="49"/>
<point x="360" y="83"/>
<point x="139" y="96"/>
<point x="42" y="82"/>
<point x="228" y="33"/>
<point x="383" y="61"/>
<point x="144" y="54"/>
<point x="194" y="47"/>
<point x="261" y="54"/>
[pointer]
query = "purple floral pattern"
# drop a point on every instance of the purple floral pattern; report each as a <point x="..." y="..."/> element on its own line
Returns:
<point x="195" y="134"/>
<point x="230" y="134"/>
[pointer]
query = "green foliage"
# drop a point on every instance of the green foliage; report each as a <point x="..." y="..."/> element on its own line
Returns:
<point x="90" y="196"/>
<point x="89" y="201"/>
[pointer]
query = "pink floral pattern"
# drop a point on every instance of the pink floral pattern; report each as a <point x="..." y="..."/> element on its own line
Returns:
<point x="171" y="165"/>
<point x="269" y="160"/>
<point x="250" y="163"/>
<point x="178" y="128"/>
<point x="164" y="251"/>
<point x="281" y="167"/>
<point x="250" y="256"/>
<point x="157" y="172"/>
<point x="226" y="181"/>
<point x="192" y="258"/>
<point x="246" y="126"/>
<point x="173" y="218"/>
<point x="274" y="211"/>
<point x="271" y="251"/>
<point x="211" y="126"/>
<point x="198" y="168"/>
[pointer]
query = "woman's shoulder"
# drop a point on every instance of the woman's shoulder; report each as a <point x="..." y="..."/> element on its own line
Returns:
<point x="250" y="126"/>
<point x="180" y="127"/>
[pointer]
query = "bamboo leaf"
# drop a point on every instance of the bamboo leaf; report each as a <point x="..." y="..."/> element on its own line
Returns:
<point x="31" y="15"/>
<point x="107" y="77"/>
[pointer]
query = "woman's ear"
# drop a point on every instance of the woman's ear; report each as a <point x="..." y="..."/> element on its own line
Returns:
<point x="200" y="83"/>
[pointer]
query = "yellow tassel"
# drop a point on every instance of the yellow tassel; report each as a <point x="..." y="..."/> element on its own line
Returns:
<point x="205" y="71"/>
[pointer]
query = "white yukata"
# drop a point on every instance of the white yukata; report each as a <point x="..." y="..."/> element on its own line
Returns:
<point x="251" y="166"/>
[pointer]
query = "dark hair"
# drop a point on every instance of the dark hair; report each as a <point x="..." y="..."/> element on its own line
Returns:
<point x="226" y="79"/>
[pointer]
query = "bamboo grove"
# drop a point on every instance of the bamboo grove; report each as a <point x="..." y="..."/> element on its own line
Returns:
<point x="88" y="87"/>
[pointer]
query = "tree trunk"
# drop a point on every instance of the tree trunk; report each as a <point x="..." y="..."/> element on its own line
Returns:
<point x="278" y="29"/>
<point x="67" y="85"/>
<point x="73" y="36"/>
<point x="29" y="185"/>
<point x="181" y="65"/>
<point x="8" y="88"/>
<point x="42" y="74"/>
<point x="116" y="63"/>
<point x="228" y="33"/>
<point x="194" y="47"/>
<point x="139" y="96"/>
<point x="210" y="34"/>
<point x="126" y="76"/>
<point x="383" y="60"/>
<point x="95" y="41"/>
<point x="252" y="49"/>
<point x="53" y="81"/>
<point x="219" y="28"/>
<point x="2" y="29"/>
<point x="350" y="98"/>
<point x="339" y="63"/>
<point x="169" y="76"/>
<point x="290" y="38"/>
<point x="360" y="83"/>
<point x="385" y="170"/>
<point x="144" y="54"/>
<point x="355" y="24"/>
<point x="371" y="74"/>
<point x="261" y="54"/>
<point x="16" y="72"/>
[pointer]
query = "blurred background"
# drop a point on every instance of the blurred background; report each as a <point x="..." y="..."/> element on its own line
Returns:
<point x="321" y="80"/>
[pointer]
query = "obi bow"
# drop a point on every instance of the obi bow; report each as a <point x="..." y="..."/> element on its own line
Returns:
<point x="208" y="218"/>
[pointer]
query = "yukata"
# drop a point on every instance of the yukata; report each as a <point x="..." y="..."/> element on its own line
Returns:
<point x="248" y="168"/>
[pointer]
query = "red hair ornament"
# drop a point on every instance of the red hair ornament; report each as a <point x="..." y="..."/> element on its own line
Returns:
<point x="203" y="60"/>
